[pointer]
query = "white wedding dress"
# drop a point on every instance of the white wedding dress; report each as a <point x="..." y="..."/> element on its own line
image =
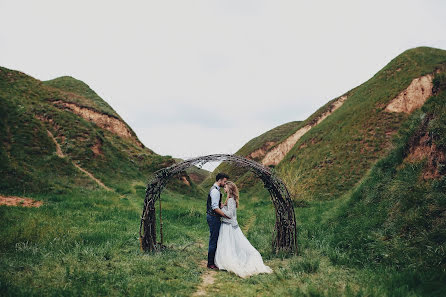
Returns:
<point x="234" y="252"/>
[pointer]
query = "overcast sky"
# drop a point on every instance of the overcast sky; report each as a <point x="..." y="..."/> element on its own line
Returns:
<point x="201" y="77"/>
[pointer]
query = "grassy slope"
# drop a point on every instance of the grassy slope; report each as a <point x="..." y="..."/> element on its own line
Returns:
<point x="87" y="97"/>
<point x="28" y="160"/>
<point x="27" y="155"/>
<point x="79" y="93"/>
<point x="396" y="217"/>
<point x="277" y="135"/>
<point x="196" y="174"/>
<point x="333" y="156"/>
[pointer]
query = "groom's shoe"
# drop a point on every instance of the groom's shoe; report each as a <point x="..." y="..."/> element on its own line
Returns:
<point x="212" y="266"/>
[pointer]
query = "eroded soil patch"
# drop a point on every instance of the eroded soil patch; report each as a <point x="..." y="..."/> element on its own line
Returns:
<point x="104" y="121"/>
<point x="19" y="201"/>
<point x="277" y="154"/>
<point x="413" y="97"/>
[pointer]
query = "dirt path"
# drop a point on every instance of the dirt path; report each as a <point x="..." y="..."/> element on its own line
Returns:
<point x="58" y="149"/>
<point x="101" y="184"/>
<point x="60" y="153"/>
<point x="19" y="201"/>
<point x="207" y="279"/>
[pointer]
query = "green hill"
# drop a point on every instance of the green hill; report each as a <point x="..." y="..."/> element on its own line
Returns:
<point x="397" y="214"/>
<point x="255" y="149"/>
<point x="78" y="92"/>
<point x="332" y="150"/>
<point x="58" y="135"/>
<point x="197" y="175"/>
<point x="333" y="156"/>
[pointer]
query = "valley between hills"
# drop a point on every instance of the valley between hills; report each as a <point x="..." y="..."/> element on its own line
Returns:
<point x="366" y="172"/>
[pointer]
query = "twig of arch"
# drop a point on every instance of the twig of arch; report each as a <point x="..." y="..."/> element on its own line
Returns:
<point x="285" y="232"/>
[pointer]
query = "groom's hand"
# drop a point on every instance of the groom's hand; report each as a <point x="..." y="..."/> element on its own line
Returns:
<point x="220" y="212"/>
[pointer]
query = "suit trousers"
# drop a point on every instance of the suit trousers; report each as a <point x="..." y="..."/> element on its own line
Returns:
<point x="214" y="229"/>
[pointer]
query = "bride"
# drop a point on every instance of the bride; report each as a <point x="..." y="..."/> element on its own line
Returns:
<point x="234" y="252"/>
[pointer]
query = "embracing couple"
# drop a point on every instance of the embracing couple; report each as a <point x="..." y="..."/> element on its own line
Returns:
<point x="229" y="249"/>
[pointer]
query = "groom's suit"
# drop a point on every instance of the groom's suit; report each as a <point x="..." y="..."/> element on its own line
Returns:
<point x="213" y="219"/>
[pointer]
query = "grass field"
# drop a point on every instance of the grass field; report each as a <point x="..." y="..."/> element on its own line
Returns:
<point x="86" y="243"/>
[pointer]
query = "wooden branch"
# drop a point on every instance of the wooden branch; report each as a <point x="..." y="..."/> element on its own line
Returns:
<point x="285" y="231"/>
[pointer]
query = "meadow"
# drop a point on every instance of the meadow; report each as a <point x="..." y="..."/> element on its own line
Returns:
<point x="87" y="243"/>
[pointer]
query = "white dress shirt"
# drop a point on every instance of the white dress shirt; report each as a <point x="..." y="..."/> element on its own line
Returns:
<point x="215" y="197"/>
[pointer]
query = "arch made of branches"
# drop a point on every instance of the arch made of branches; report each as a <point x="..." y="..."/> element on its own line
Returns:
<point x="285" y="232"/>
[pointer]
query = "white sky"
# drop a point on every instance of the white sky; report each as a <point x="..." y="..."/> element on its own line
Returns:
<point x="202" y="77"/>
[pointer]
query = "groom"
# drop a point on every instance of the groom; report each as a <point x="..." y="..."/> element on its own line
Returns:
<point x="214" y="213"/>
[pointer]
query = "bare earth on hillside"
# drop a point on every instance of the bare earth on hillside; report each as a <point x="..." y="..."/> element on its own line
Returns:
<point x="423" y="148"/>
<point x="19" y="201"/>
<point x="195" y="177"/>
<point x="207" y="279"/>
<point x="277" y="154"/>
<point x="261" y="152"/>
<point x="185" y="181"/>
<point x="413" y="97"/>
<point x="58" y="149"/>
<point x="96" y="148"/>
<point x="101" y="184"/>
<point x="104" y="121"/>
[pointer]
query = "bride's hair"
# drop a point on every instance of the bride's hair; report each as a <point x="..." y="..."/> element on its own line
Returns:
<point x="233" y="191"/>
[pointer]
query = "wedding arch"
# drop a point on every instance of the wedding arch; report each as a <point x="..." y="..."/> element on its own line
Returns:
<point x="285" y="232"/>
